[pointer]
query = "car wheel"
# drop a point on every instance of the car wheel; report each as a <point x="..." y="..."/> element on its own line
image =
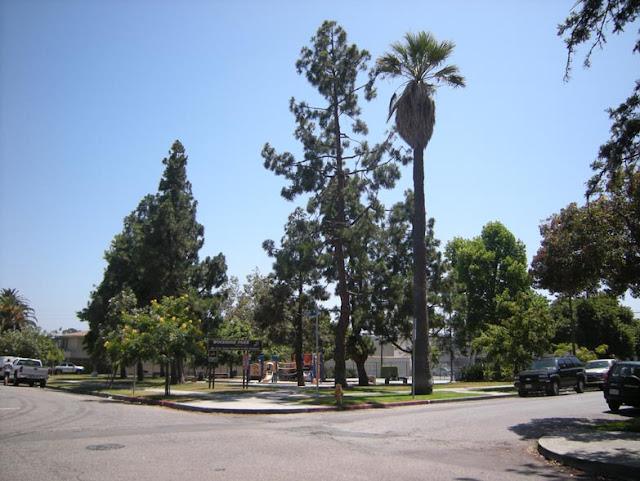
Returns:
<point x="31" y="383"/>
<point x="57" y="372"/>
<point x="523" y="393"/>
<point x="580" y="386"/>
<point x="555" y="389"/>
<point x="15" y="380"/>
<point x="43" y="383"/>
<point x="78" y="371"/>
<point x="614" y="406"/>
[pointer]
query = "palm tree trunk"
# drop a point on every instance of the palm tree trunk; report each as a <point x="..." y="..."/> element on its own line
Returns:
<point x="423" y="384"/>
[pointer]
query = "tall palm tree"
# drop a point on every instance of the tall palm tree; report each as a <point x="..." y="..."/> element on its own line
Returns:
<point x="419" y="60"/>
<point x="15" y="312"/>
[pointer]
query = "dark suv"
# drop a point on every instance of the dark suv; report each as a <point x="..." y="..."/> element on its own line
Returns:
<point x="622" y="385"/>
<point x="551" y="374"/>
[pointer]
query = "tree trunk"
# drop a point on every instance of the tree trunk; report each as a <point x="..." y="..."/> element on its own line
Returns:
<point x="340" y="352"/>
<point x="451" y="356"/>
<point x="573" y="327"/>
<point x="299" y="353"/>
<point x="339" y="224"/>
<point x="363" y="379"/>
<point x="422" y="381"/>
<point x="177" y="371"/>
<point x="167" y="380"/>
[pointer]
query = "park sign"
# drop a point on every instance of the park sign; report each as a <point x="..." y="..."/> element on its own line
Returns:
<point x="216" y="345"/>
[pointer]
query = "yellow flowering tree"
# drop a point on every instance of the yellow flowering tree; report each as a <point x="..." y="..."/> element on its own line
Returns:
<point x="164" y="331"/>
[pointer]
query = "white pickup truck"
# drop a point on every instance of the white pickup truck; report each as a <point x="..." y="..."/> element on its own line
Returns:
<point x="29" y="371"/>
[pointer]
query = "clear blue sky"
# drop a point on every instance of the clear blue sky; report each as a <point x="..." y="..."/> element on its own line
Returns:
<point x="93" y="94"/>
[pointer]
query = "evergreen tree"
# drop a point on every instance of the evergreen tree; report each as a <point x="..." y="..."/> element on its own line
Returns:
<point x="617" y="167"/>
<point x="296" y="281"/>
<point x="156" y="255"/>
<point x="332" y="138"/>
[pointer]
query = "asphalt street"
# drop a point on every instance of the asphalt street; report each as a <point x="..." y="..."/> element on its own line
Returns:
<point x="49" y="436"/>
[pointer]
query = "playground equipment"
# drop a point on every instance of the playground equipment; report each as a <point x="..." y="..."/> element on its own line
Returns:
<point x="287" y="370"/>
<point x="269" y="371"/>
<point x="274" y="370"/>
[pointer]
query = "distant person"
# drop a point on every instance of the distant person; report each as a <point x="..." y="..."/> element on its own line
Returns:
<point x="6" y="371"/>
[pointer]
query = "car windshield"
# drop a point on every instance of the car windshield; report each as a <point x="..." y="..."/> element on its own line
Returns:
<point x="28" y="362"/>
<point x="597" y="364"/>
<point x="543" y="364"/>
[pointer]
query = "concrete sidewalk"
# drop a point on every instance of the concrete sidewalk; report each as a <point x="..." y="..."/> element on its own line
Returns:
<point x="603" y="452"/>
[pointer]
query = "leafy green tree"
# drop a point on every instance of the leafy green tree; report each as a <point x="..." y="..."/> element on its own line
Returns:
<point x="490" y="269"/>
<point x="585" y="355"/>
<point x="454" y="311"/>
<point x="570" y="261"/>
<point x="600" y="320"/>
<point x="420" y="60"/>
<point x="15" y="311"/>
<point x="124" y="303"/>
<point x="31" y="342"/>
<point x="164" y="331"/>
<point x="335" y="150"/>
<point x="523" y="334"/>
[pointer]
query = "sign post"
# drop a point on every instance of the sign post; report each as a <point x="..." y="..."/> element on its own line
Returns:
<point x="314" y="313"/>
<point x="244" y="345"/>
<point x="213" y="357"/>
<point x="245" y="369"/>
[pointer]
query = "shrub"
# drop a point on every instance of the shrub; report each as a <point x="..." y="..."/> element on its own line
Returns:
<point x="472" y="372"/>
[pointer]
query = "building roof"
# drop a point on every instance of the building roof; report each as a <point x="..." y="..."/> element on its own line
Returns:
<point x="73" y="334"/>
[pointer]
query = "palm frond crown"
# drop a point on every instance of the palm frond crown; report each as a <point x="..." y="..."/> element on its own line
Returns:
<point x="420" y="60"/>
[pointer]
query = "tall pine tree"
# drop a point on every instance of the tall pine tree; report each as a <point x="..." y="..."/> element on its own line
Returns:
<point x="156" y="255"/>
<point x="332" y="138"/>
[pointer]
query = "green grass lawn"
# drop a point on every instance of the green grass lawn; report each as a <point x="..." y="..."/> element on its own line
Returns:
<point x="101" y="383"/>
<point x="628" y="426"/>
<point x="356" y="398"/>
<point x="353" y="395"/>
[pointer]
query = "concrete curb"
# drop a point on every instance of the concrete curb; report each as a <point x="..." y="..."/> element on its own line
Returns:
<point x="595" y="457"/>
<point x="291" y="410"/>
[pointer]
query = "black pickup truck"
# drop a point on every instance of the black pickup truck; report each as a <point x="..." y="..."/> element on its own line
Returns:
<point x="551" y="374"/>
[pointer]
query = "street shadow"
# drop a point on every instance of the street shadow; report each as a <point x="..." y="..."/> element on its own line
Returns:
<point x="100" y="401"/>
<point x="537" y="428"/>
<point x="557" y="474"/>
<point x="535" y="471"/>
<point x="573" y="429"/>
<point x="629" y="412"/>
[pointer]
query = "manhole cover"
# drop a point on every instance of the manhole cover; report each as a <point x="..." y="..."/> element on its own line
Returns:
<point x="105" y="447"/>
